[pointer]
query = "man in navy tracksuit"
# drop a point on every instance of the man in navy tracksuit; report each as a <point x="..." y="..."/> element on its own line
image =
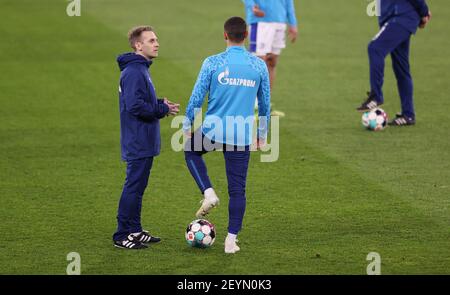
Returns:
<point x="399" y="19"/>
<point x="140" y="112"/>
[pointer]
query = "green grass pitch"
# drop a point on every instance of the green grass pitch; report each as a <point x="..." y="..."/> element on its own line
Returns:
<point x="336" y="193"/>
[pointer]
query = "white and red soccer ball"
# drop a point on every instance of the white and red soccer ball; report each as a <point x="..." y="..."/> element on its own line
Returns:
<point x="375" y="119"/>
<point x="200" y="233"/>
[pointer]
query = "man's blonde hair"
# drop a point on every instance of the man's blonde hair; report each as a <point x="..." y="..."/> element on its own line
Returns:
<point x="135" y="34"/>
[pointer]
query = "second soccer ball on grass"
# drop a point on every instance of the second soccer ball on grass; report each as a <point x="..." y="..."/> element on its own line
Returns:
<point x="375" y="119"/>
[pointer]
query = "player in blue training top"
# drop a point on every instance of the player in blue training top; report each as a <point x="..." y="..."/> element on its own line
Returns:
<point x="233" y="79"/>
<point x="268" y="21"/>
<point x="399" y="19"/>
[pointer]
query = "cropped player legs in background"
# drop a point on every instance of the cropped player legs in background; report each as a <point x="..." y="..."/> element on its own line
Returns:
<point x="268" y="32"/>
<point x="266" y="42"/>
<point x="271" y="60"/>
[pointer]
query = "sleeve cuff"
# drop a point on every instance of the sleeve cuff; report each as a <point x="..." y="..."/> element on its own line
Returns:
<point x="425" y="11"/>
<point x="186" y="125"/>
<point x="163" y="110"/>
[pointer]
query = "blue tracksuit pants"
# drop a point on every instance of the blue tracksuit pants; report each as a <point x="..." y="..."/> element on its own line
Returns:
<point x="129" y="213"/>
<point x="236" y="164"/>
<point x="395" y="40"/>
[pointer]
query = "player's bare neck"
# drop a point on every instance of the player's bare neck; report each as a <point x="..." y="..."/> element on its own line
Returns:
<point x="230" y="44"/>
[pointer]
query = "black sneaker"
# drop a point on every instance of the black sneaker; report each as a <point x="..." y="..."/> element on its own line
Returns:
<point x="369" y="104"/>
<point x="401" y="120"/>
<point x="130" y="243"/>
<point x="146" y="237"/>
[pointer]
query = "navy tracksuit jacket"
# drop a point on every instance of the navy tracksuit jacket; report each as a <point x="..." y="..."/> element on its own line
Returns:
<point x="399" y="19"/>
<point x="140" y="111"/>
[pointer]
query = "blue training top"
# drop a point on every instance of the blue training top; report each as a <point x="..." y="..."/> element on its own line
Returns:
<point x="276" y="11"/>
<point x="233" y="79"/>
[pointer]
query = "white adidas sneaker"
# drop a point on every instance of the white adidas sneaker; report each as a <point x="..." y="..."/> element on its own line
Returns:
<point x="210" y="201"/>
<point x="231" y="247"/>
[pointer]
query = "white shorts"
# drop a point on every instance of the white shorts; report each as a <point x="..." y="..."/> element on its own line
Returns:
<point x="267" y="38"/>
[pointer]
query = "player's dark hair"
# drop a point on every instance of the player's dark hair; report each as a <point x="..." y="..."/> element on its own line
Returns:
<point x="235" y="27"/>
<point x="135" y="34"/>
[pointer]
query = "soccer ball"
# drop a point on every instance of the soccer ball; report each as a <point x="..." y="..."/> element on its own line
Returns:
<point x="200" y="233"/>
<point x="375" y="119"/>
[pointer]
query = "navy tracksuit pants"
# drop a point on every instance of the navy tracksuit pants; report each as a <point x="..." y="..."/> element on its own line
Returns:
<point x="129" y="213"/>
<point x="395" y="40"/>
<point x="236" y="166"/>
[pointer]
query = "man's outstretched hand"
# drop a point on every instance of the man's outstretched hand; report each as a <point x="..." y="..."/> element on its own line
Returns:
<point x="174" y="108"/>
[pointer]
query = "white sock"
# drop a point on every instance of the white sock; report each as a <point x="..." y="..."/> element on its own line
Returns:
<point x="210" y="193"/>
<point x="231" y="238"/>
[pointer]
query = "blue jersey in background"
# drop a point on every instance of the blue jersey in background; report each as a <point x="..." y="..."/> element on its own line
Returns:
<point x="276" y="11"/>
